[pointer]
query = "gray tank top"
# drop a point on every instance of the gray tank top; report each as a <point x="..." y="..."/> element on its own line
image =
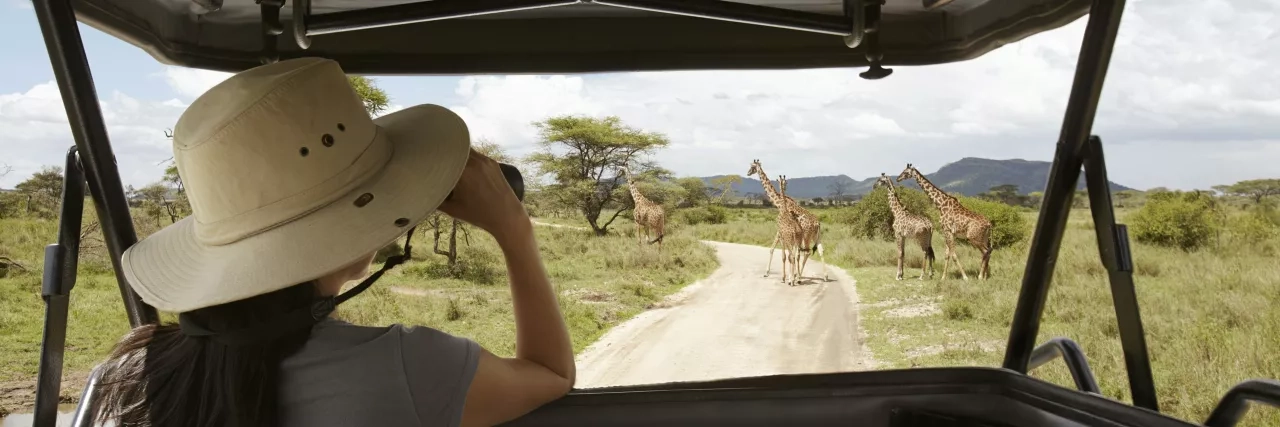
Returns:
<point x="349" y="375"/>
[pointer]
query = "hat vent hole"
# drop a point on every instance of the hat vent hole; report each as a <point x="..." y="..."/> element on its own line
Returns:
<point x="341" y="127"/>
<point x="364" y="199"/>
<point x="327" y="140"/>
<point x="402" y="222"/>
<point x="304" y="151"/>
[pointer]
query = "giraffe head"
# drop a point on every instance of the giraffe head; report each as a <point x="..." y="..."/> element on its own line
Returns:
<point x="884" y="180"/>
<point x="755" y="168"/>
<point x="782" y="183"/>
<point x="909" y="173"/>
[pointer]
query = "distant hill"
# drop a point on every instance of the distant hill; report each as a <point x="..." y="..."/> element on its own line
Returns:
<point x="968" y="176"/>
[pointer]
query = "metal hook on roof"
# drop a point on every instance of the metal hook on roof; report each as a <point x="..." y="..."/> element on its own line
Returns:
<point x="301" y="9"/>
<point x="856" y="12"/>
<point x="874" y="55"/>
<point x="271" y="28"/>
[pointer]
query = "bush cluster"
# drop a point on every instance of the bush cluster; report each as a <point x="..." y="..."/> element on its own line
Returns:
<point x="871" y="218"/>
<point x="1008" y="226"/>
<point x="1184" y="220"/>
<point x="711" y="214"/>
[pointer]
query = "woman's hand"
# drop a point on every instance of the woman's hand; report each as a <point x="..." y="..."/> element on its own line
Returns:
<point x="483" y="198"/>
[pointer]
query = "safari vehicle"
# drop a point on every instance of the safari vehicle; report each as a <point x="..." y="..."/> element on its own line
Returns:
<point x="581" y="36"/>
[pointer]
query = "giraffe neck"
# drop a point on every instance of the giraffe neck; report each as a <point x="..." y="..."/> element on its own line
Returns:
<point x="768" y="189"/>
<point x="635" y="193"/>
<point x="894" y="204"/>
<point x="940" y="198"/>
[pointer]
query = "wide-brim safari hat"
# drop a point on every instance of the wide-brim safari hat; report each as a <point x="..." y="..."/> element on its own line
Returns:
<point x="290" y="179"/>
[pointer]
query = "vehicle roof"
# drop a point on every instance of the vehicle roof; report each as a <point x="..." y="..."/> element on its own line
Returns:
<point x="581" y="37"/>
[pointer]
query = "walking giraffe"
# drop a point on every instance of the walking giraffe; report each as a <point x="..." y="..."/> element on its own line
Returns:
<point x="810" y="227"/>
<point x="649" y="216"/>
<point x="907" y="225"/>
<point x="957" y="221"/>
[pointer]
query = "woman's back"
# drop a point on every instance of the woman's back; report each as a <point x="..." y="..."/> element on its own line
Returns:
<point x="385" y="376"/>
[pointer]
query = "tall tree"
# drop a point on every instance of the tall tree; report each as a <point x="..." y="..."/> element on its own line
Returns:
<point x="375" y="99"/>
<point x="583" y="154"/>
<point x="42" y="191"/>
<point x="838" y="188"/>
<point x="695" y="191"/>
<point x="724" y="187"/>
<point x="1254" y="188"/>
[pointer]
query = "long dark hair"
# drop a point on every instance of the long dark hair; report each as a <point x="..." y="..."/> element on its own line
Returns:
<point x="159" y="376"/>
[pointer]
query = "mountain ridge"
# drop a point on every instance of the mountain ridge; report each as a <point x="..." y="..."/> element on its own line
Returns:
<point x="968" y="176"/>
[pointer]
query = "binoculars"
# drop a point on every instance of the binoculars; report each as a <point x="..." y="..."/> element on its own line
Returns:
<point x="514" y="180"/>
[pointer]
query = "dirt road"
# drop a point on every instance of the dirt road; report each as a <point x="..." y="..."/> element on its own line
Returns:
<point x="735" y="323"/>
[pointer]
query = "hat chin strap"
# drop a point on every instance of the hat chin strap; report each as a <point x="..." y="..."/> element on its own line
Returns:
<point x="302" y="317"/>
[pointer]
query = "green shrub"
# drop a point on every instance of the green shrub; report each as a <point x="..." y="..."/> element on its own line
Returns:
<point x="1008" y="226"/>
<point x="704" y="215"/>
<point x="1175" y="219"/>
<point x="871" y="218"/>
<point x="1253" y="227"/>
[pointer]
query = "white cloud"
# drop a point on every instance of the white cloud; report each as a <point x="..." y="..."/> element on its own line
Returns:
<point x="1209" y="104"/>
<point x="37" y="133"/>
<point x="192" y="82"/>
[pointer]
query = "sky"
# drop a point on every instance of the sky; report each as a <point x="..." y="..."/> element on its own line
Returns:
<point x="1192" y="100"/>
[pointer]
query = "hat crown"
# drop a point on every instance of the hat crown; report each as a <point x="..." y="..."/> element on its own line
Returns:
<point x="271" y="144"/>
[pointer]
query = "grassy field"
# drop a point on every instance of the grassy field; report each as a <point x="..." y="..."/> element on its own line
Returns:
<point x="1210" y="315"/>
<point x="601" y="282"/>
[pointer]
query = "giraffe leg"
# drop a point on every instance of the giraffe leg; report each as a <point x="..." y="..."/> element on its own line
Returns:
<point x="956" y="254"/>
<point x="926" y="246"/>
<point x="768" y="266"/>
<point x="817" y="246"/>
<point x="785" y="254"/>
<point x="946" y="259"/>
<point x="902" y="245"/>
<point x="802" y="258"/>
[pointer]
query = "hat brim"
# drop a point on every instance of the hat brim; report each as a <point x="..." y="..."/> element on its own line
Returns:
<point x="172" y="271"/>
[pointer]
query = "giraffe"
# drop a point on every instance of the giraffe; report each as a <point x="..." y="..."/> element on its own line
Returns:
<point x="957" y="221"/>
<point x="810" y="227"/>
<point x="791" y="237"/>
<point x="907" y="225"/>
<point x="649" y="216"/>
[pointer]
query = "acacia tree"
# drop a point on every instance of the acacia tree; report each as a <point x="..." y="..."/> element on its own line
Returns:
<point x="724" y="185"/>
<point x="1254" y="188"/>
<point x="838" y="188"/>
<point x="42" y="191"/>
<point x="696" y="192"/>
<point x="375" y="99"/>
<point x="583" y="156"/>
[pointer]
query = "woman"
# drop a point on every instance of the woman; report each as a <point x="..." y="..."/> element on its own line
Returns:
<point x="293" y="189"/>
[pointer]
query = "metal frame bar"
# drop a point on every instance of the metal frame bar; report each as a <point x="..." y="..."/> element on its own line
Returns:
<point x="306" y="24"/>
<point x="1091" y="66"/>
<point x="1236" y="402"/>
<point x="1075" y="150"/>
<point x="79" y="97"/>
<point x="60" y="262"/>
<point x="1071" y="354"/>
<point x="1113" y="248"/>
<point x="447" y="9"/>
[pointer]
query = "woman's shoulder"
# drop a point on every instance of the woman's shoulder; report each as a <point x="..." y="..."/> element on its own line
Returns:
<point x="409" y="338"/>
